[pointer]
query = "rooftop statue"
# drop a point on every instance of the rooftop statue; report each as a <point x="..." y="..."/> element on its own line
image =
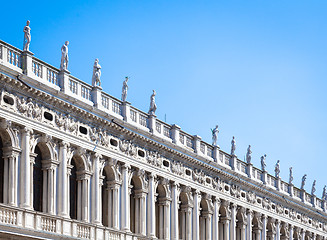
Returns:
<point x="64" y="56"/>
<point x="263" y="162"/>
<point x="248" y="155"/>
<point x="291" y="176"/>
<point x="277" y="169"/>
<point x="27" y="36"/>
<point x="232" y="152"/>
<point x="324" y="194"/>
<point x="303" y="181"/>
<point x="215" y="132"/>
<point x="124" y="90"/>
<point x="313" y="189"/>
<point x="153" y="106"/>
<point x="96" y="81"/>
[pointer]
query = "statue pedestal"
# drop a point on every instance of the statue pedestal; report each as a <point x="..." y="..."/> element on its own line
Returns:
<point x="27" y="63"/>
<point x="215" y="153"/>
<point x="96" y="96"/>
<point x="64" y="80"/>
<point x="249" y="170"/>
<point x="303" y="195"/>
<point x="152" y="123"/>
<point x="291" y="190"/>
<point x="126" y="106"/>
<point x="197" y="144"/>
<point x="313" y="200"/>
<point x="264" y="177"/>
<point x="175" y="129"/>
<point x="233" y="162"/>
<point x="278" y="184"/>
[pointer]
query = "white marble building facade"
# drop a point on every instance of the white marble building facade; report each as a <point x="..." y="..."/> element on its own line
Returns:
<point x="77" y="163"/>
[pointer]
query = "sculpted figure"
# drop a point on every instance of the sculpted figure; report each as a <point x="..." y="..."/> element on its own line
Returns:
<point x="153" y="106"/>
<point x="303" y="181"/>
<point x="124" y="90"/>
<point x="64" y="56"/>
<point x="27" y="36"/>
<point x="232" y="152"/>
<point x="96" y="74"/>
<point x="248" y="155"/>
<point x="277" y="169"/>
<point x="324" y="194"/>
<point x="313" y="189"/>
<point x="263" y="162"/>
<point x="291" y="176"/>
<point x="215" y="132"/>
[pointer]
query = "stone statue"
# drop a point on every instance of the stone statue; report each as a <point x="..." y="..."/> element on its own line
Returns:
<point x="248" y="155"/>
<point x="215" y="132"/>
<point x="313" y="189"/>
<point x="124" y="90"/>
<point x="153" y="106"/>
<point x="64" y="56"/>
<point x="291" y="176"/>
<point x="303" y="181"/>
<point x="27" y="36"/>
<point x="96" y="74"/>
<point x="263" y="162"/>
<point x="324" y="194"/>
<point x="277" y="169"/>
<point x="232" y="152"/>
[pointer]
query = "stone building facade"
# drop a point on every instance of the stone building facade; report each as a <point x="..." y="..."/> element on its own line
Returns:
<point x="77" y="163"/>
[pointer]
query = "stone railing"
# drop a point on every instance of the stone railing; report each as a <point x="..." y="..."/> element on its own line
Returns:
<point x="38" y="73"/>
<point x="67" y="228"/>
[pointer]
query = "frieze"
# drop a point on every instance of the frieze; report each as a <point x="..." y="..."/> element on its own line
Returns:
<point x="154" y="158"/>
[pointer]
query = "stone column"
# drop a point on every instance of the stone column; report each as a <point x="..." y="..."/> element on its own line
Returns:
<point x="243" y="230"/>
<point x="5" y="179"/>
<point x="151" y="207"/>
<point x="277" y="229"/>
<point x="188" y="223"/>
<point x="226" y="221"/>
<point x="303" y="232"/>
<point x="233" y="222"/>
<point x="166" y="211"/>
<point x="291" y="228"/>
<point x="175" y="189"/>
<point x="85" y="183"/>
<point x="249" y="224"/>
<point x="114" y="188"/>
<point x="12" y="179"/>
<point x="45" y="189"/>
<point x="196" y="215"/>
<point x="50" y="199"/>
<point x="25" y="170"/>
<point x="125" y="206"/>
<point x="264" y="227"/>
<point x="63" y="180"/>
<point x="140" y="211"/>
<point x="207" y="225"/>
<point x="215" y="227"/>
<point x="96" y="189"/>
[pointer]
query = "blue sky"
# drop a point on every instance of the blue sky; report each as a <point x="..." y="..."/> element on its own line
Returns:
<point x="256" y="68"/>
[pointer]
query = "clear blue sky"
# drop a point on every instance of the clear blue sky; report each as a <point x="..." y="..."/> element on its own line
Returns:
<point x="258" y="69"/>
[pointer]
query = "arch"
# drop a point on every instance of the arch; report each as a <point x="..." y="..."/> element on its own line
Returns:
<point x="162" y="208"/>
<point x="47" y="146"/>
<point x="185" y="213"/>
<point x="78" y="185"/>
<point x="138" y="184"/>
<point x="9" y="134"/>
<point x="206" y="210"/>
<point x="38" y="181"/>
<point x="1" y="170"/>
<point x="110" y="193"/>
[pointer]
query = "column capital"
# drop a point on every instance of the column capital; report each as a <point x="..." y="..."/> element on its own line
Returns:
<point x="26" y="130"/>
<point x="64" y="144"/>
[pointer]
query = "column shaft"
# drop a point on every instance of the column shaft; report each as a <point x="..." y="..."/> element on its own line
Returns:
<point x="125" y="206"/>
<point x="174" y="213"/>
<point x="25" y="170"/>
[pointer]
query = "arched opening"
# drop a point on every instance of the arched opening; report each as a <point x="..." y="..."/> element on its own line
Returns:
<point x="73" y="191"/>
<point x="110" y="197"/>
<point x="78" y="190"/>
<point x="137" y="206"/>
<point x="1" y="170"/>
<point x="224" y="221"/>
<point x="38" y="181"/>
<point x="184" y="216"/>
<point x="162" y="210"/>
<point x="205" y="219"/>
